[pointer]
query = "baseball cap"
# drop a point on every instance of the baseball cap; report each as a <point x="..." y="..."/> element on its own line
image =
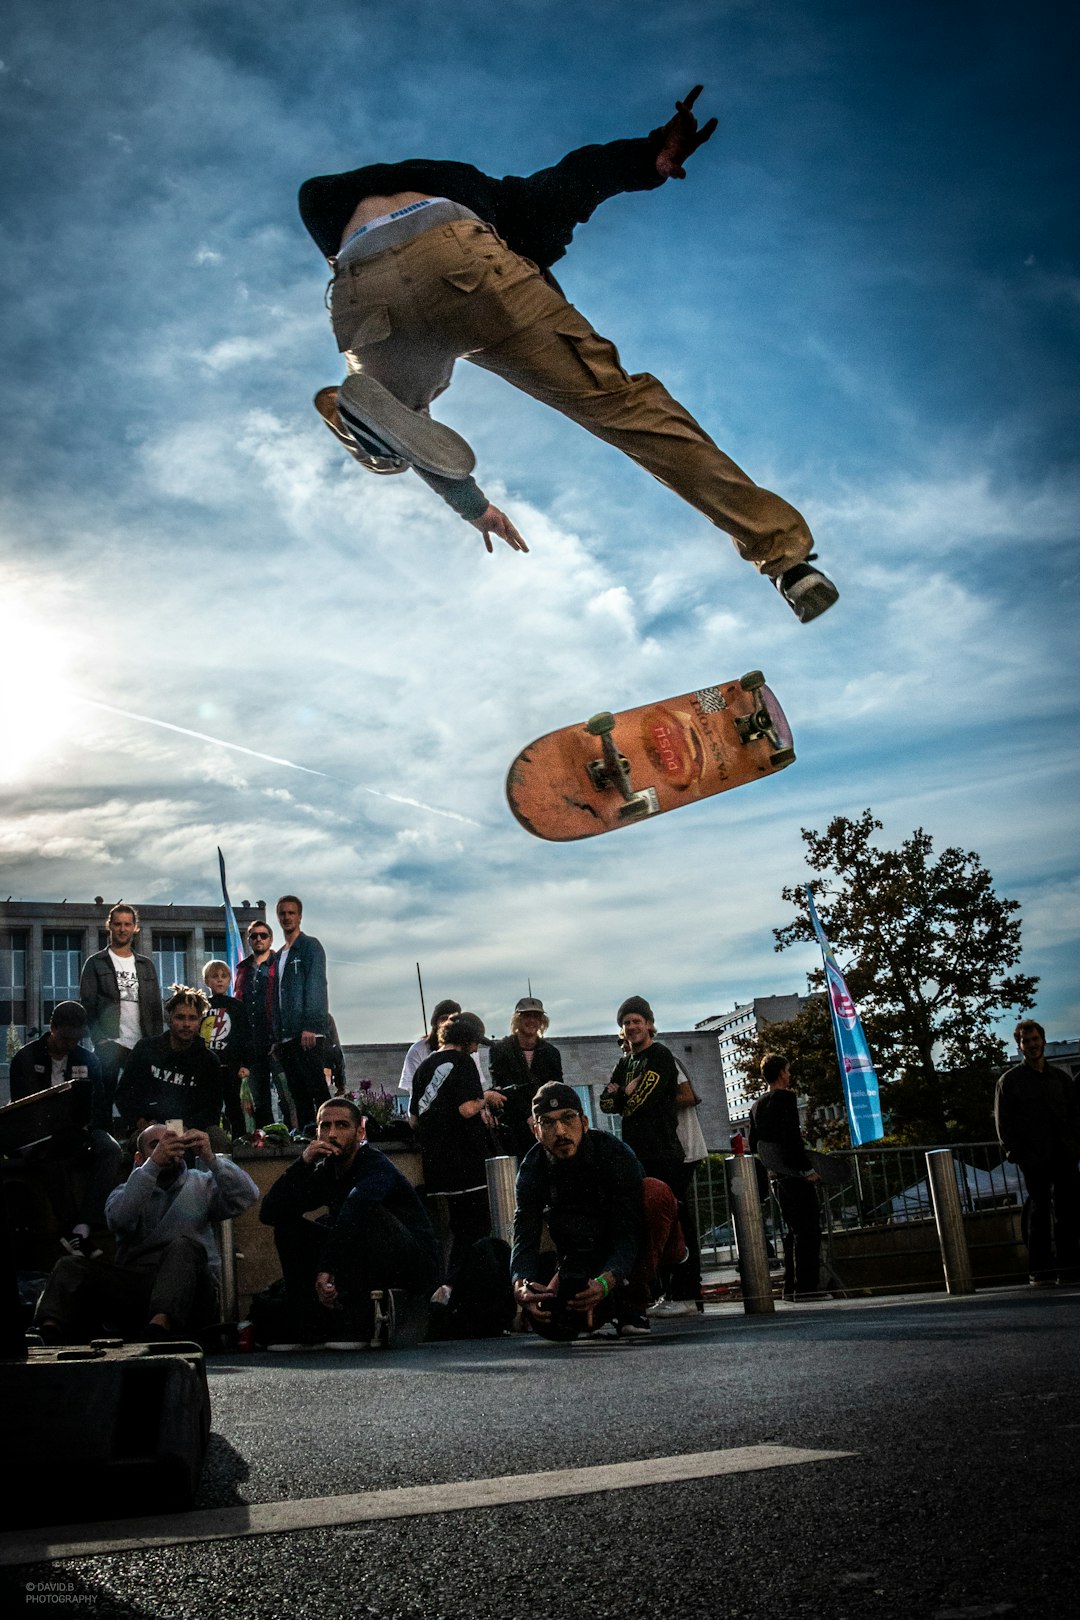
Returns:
<point x="554" y="1095"/>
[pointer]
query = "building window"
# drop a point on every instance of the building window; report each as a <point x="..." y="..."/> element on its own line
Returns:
<point x="61" y="955"/>
<point x="215" y="947"/>
<point x="13" y="984"/>
<point x="586" y="1102"/>
<point x="170" y="959"/>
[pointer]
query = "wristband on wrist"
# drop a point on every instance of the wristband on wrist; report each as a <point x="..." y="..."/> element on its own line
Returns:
<point x="602" y="1280"/>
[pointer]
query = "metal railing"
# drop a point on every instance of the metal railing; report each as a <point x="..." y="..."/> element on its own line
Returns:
<point x="887" y="1186"/>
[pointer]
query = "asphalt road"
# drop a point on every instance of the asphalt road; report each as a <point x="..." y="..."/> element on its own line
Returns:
<point x="958" y="1499"/>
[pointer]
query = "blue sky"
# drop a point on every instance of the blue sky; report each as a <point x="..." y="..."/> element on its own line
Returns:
<point x="866" y="289"/>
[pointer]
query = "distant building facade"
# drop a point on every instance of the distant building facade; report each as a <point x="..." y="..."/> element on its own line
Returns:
<point x="43" y="945"/>
<point x="745" y="1018"/>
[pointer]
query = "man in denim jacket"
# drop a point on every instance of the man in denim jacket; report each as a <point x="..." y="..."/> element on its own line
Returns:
<point x="302" y="1013"/>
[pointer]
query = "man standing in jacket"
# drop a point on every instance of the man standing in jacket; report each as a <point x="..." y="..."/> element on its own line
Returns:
<point x="122" y="997"/>
<point x="519" y="1066"/>
<point x="255" y="985"/>
<point x="435" y="261"/>
<point x="1038" y="1125"/>
<point x="302" y="1014"/>
<point x="774" y="1120"/>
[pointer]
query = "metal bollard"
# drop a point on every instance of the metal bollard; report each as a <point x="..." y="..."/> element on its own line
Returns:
<point x="230" y="1298"/>
<point x="502" y="1200"/>
<point x="949" y="1219"/>
<point x="750" y="1236"/>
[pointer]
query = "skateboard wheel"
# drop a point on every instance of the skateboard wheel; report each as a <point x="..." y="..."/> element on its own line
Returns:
<point x="600" y="724"/>
<point x="782" y="757"/>
<point x="752" y="682"/>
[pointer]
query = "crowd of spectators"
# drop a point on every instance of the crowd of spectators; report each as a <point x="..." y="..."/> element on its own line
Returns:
<point x="167" y="1087"/>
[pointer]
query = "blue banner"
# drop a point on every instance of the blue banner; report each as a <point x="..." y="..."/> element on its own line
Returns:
<point x="234" y="946"/>
<point x="857" y="1071"/>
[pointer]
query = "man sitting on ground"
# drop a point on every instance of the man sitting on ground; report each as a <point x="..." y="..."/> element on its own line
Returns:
<point x="612" y="1228"/>
<point x="166" y="1280"/>
<point x="375" y="1237"/>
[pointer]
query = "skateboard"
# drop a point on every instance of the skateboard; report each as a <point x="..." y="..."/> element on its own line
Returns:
<point x="616" y="769"/>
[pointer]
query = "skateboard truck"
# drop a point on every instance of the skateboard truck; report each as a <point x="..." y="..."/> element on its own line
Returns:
<point x="613" y="770"/>
<point x="758" y="724"/>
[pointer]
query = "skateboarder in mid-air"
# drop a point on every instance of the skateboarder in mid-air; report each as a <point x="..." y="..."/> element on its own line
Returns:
<point x="435" y="261"/>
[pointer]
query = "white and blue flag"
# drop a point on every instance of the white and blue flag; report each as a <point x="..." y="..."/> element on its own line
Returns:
<point x="861" y="1096"/>
<point x="234" y="945"/>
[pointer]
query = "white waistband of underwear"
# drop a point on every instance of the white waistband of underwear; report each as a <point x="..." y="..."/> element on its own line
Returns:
<point x="395" y="229"/>
<point x="388" y="219"/>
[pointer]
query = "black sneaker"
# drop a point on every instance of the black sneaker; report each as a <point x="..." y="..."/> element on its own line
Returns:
<point x="634" y="1327"/>
<point x="383" y="426"/>
<point x="807" y="591"/>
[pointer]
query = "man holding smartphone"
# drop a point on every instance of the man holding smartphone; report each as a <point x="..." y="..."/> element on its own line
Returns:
<point x="166" y="1280"/>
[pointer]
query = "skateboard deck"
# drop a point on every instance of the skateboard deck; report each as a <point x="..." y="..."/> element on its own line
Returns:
<point x="613" y="770"/>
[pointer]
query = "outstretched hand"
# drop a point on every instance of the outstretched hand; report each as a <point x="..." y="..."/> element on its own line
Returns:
<point x="492" y="521"/>
<point x="682" y="137"/>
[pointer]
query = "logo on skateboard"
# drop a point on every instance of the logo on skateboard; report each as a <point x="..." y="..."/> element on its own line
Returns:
<point x="710" y="700"/>
<point x="673" y="746"/>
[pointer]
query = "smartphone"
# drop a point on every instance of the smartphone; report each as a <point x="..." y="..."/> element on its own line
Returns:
<point x="176" y="1125"/>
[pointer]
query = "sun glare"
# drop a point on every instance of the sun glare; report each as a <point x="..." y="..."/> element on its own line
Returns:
<point x="35" y="697"/>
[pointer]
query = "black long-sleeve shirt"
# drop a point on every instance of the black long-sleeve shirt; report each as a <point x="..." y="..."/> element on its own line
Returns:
<point x="370" y="1179"/>
<point x="534" y="214"/>
<point x="775" y="1118"/>
<point x="592" y="1204"/>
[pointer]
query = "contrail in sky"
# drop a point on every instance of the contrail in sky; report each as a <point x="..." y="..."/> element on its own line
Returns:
<point x="274" y="759"/>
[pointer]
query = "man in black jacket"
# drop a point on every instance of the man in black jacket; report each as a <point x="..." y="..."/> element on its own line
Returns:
<point x="173" y="1076"/>
<point x="436" y="261"/>
<point x="375" y="1234"/>
<point x="519" y="1065"/>
<point x="612" y="1227"/>
<point x="56" y="1058"/>
<point x="122" y="997"/>
<point x="1038" y="1125"/>
<point x="774" y="1119"/>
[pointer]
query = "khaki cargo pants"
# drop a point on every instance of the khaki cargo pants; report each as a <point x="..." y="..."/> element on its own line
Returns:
<point x="458" y="292"/>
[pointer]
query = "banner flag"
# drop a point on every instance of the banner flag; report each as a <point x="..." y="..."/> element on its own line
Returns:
<point x="234" y="946"/>
<point x="857" y="1072"/>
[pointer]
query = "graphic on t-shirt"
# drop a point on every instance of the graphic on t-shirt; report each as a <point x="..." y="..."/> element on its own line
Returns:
<point x="434" y="1086"/>
<point x="216" y="1028"/>
<point x="127" y="984"/>
<point x="127" y="981"/>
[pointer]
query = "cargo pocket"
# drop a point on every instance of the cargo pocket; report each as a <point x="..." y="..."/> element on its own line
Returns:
<point x="593" y="357"/>
<point x="357" y="327"/>
<point x="468" y="278"/>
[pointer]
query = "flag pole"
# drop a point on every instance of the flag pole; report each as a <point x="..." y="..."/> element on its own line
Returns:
<point x="423" y="1009"/>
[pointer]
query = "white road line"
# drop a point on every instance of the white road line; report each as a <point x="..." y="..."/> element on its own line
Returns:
<point x="321" y="1512"/>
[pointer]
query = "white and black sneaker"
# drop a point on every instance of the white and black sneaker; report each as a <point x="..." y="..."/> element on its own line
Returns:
<point x="326" y="402"/>
<point x="382" y="426"/>
<point x="807" y="591"/>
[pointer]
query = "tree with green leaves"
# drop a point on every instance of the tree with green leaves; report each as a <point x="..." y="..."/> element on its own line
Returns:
<point x="933" y="953"/>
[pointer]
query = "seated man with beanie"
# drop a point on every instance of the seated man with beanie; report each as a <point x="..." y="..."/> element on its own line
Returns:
<point x="612" y="1228"/>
